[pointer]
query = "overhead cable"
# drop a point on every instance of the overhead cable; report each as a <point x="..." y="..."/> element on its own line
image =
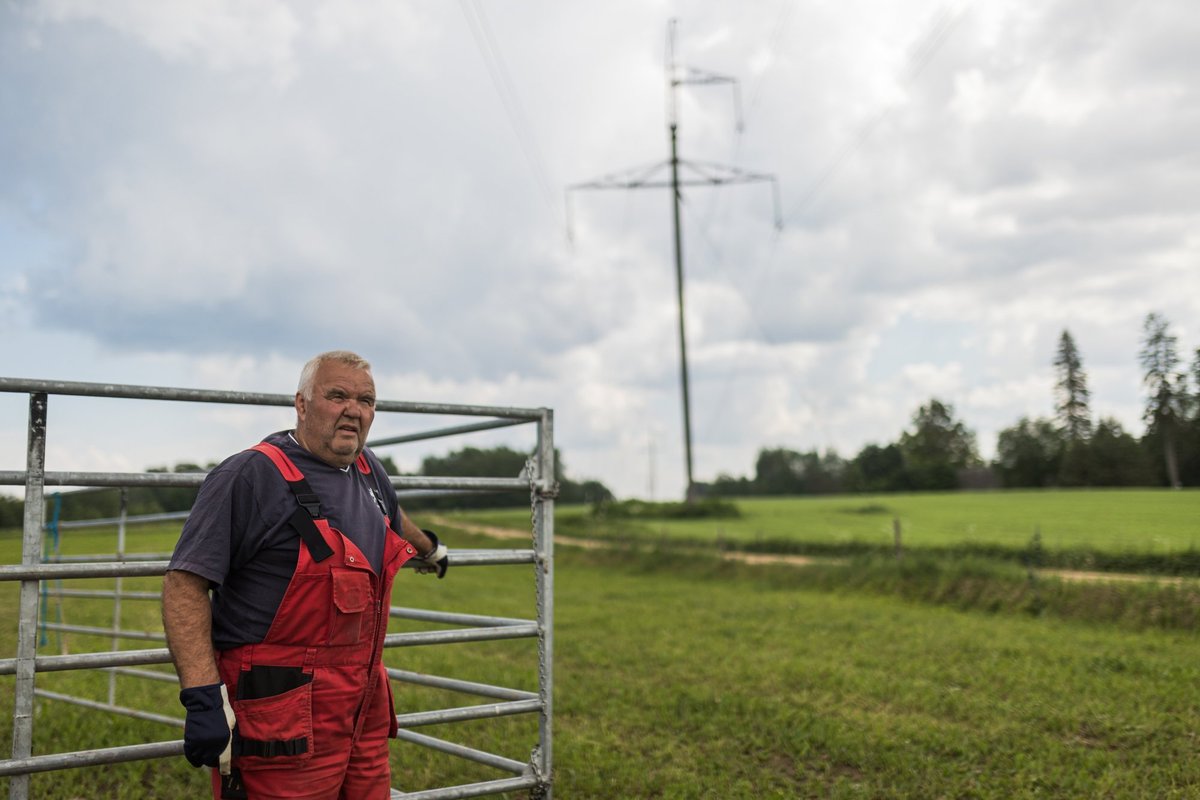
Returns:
<point x="501" y="80"/>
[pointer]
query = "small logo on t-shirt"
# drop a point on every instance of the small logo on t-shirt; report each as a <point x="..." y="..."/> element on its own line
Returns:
<point x="378" y="501"/>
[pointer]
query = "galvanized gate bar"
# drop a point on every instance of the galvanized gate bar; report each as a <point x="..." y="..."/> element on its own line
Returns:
<point x="103" y="595"/>
<point x="135" y="392"/>
<point x="122" y="658"/>
<point x="194" y="479"/>
<point x="109" y="479"/>
<point x="463" y="713"/>
<point x="166" y="516"/>
<point x="479" y="558"/>
<point x="462" y="751"/>
<point x="131" y="568"/>
<point x="145" y="673"/>
<point x="93" y="631"/>
<point x="21" y="767"/>
<point x="466" y="635"/>
<point x="105" y="569"/>
<point x="452" y="618"/>
<point x="103" y="558"/>
<point x="452" y="684"/>
<point x="110" y="707"/>
<point x="471" y="789"/>
<point x="442" y="432"/>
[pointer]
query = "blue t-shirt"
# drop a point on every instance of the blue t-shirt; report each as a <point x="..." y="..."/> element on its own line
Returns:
<point x="238" y="537"/>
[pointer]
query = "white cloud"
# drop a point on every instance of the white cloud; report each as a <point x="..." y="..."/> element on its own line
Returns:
<point x="229" y="36"/>
<point x="206" y="194"/>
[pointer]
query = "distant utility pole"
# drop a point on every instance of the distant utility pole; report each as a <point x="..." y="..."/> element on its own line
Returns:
<point x="650" y="471"/>
<point x="703" y="174"/>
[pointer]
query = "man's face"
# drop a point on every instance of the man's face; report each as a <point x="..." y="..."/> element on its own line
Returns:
<point x="333" y="425"/>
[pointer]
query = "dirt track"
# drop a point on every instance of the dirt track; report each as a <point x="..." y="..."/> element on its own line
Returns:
<point x="801" y="561"/>
<point x="594" y="544"/>
<point x="1113" y="577"/>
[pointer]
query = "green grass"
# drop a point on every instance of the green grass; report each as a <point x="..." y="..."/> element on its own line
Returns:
<point x="783" y="693"/>
<point x="1153" y="521"/>
<point x="679" y="676"/>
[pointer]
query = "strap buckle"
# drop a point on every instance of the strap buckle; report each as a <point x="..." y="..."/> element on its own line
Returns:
<point x="310" y="502"/>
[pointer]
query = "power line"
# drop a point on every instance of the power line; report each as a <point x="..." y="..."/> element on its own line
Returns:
<point x="509" y="99"/>
<point x="782" y="23"/>
<point x="700" y="174"/>
<point x="920" y="54"/>
<point x="720" y="407"/>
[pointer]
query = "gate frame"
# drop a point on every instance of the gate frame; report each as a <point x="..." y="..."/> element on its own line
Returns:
<point x="537" y="479"/>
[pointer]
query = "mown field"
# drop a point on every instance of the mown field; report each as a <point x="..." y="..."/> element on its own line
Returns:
<point x="682" y="675"/>
<point x="1142" y="520"/>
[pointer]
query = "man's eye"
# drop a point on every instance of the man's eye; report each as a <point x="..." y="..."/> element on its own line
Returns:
<point x="369" y="401"/>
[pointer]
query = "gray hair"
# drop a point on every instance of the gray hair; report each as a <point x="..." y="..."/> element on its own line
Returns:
<point x="308" y="375"/>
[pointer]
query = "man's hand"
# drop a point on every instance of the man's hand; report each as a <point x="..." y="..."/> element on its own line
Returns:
<point x="436" y="560"/>
<point x="208" y="728"/>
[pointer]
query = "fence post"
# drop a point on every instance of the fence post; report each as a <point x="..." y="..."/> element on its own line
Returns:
<point x="896" y="538"/>
<point x="543" y="524"/>
<point x="27" y="625"/>
<point x="118" y="586"/>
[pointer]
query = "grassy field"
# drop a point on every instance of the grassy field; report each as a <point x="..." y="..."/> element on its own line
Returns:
<point x="1143" y="520"/>
<point x="691" y="677"/>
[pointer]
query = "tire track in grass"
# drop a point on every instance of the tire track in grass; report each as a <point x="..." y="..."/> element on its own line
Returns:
<point x="1070" y="575"/>
<point x="596" y="544"/>
<point x="1082" y="576"/>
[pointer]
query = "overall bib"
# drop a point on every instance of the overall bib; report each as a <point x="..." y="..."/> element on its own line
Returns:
<point x="313" y="703"/>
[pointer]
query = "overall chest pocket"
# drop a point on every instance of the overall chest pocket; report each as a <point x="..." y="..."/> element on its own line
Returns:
<point x="353" y="601"/>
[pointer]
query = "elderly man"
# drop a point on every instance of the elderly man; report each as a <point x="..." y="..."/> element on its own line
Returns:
<point x="298" y="539"/>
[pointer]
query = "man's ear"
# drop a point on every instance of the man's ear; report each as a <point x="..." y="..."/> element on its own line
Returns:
<point x="301" y="406"/>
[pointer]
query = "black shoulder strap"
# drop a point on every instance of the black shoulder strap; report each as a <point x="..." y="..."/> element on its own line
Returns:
<point x="308" y="505"/>
<point x="302" y="522"/>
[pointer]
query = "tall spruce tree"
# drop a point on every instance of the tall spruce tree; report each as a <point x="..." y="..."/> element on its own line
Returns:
<point x="1074" y="416"/>
<point x="1072" y="397"/>
<point x="1166" y="387"/>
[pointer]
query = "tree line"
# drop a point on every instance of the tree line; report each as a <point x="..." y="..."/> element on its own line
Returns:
<point x="500" y="462"/>
<point x="1069" y="449"/>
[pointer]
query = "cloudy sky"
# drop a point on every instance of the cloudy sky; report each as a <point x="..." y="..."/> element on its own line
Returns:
<point x="205" y="194"/>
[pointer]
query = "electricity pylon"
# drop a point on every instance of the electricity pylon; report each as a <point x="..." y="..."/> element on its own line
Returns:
<point x="701" y="174"/>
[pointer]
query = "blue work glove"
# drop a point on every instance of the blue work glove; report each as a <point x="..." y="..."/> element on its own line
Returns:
<point x="436" y="560"/>
<point x="207" y="730"/>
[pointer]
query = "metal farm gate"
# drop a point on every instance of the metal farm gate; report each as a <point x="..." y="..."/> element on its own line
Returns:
<point x="39" y="578"/>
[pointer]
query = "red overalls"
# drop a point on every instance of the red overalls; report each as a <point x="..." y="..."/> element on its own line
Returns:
<point x="313" y="703"/>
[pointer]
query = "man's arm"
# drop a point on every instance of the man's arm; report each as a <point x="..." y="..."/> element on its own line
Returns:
<point x="432" y="555"/>
<point x="414" y="535"/>
<point x="187" y="619"/>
